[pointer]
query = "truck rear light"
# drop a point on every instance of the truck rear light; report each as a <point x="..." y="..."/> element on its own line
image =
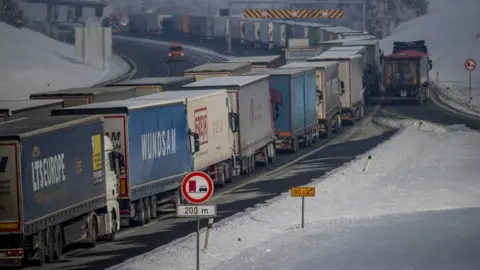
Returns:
<point x="15" y="253"/>
<point x="284" y="134"/>
<point x="123" y="187"/>
<point x="124" y="212"/>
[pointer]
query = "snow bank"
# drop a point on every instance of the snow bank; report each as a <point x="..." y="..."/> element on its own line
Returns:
<point x="32" y="62"/>
<point x="423" y="167"/>
<point x="451" y="31"/>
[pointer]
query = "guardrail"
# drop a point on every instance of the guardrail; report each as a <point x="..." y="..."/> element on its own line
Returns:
<point x="446" y="94"/>
<point x="127" y="76"/>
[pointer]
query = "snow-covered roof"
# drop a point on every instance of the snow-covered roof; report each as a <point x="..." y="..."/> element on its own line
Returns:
<point x="155" y="81"/>
<point x="87" y="91"/>
<point x="359" y="37"/>
<point x="27" y="126"/>
<point x="340" y="29"/>
<point x="348" y="48"/>
<point x="285" y="71"/>
<point x="327" y="55"/>
<point x="218" y="67"/>
<point x="116" y="106"/>
<point x="316" y="64"/>
<point x="15" y="106"/>
<point x="180" y="94"/>
<point x="228" y="81"/>
<point x="255" y="59"/>
<point x="360" y="42"/>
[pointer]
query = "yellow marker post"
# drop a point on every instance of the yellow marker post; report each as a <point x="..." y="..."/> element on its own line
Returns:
<point x="303" y="192"/>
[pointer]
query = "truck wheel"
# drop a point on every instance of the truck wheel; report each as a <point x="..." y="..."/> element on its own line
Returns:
<point x="41" y="249"/>
<point x="111" y="237"/>
<point x="354" y="117"/>
<point x="266" y="155"/>
<point x="339" y="123"/>
<point x="295" y="145"/>
<point x="50" y="235"/>
<point x="254" y="164"/>
<point x="309" y="140"/>
<point x="361" y="113"/>
<point x="153" y="203"/>
<point x="58" y="242"/>
<point x="93" y="228"/>
<point x="273" y="154"/>
<point x="148" y="210"/>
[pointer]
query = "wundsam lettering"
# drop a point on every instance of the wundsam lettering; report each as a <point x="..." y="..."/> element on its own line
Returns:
<point x="48" y="171"/>
<point x="158" y="144"/>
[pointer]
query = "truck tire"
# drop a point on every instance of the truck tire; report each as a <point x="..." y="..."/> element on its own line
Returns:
<point x="273" y="154"/>
<point x="58" y="242"/>
<point x="50" y="251"/>
<point x="41" y="250"/>
<point x="295" y="145"/>
<point x="254" y="164"/>
<point x="148" y="210"/>
<point x="361" y="113"/>
<point x="354" y="117"/>
<point x="339" y="123"/>
<point x="93" y="232"/>
<point x="153" y="205"/>
<point x="111" y="237"/>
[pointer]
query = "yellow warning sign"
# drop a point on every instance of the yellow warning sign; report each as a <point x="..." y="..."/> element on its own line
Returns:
<point x="302" y="192"/>
<point x="293" y="13"/>
<point x="97" y="152"/>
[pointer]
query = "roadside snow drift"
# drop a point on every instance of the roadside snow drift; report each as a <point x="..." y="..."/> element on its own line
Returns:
<point x="452" y="35"/>
<point x="31" y="62"/>
<point x="424" y="167"/>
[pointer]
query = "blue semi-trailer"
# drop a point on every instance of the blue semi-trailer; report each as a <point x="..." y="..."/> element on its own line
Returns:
<point x="58" y="185"/>
<point x="294" y="102"/>
<point x="156" y="145"/>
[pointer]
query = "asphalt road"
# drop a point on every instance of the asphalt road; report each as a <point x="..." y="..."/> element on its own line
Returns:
<point x="246" y="191"/>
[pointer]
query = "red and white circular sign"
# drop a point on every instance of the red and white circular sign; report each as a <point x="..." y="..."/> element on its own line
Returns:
<point x="197" y="187"/>
<point x="470" y="64"/>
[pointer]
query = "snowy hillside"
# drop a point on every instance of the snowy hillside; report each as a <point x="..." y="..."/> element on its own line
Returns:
<point x="31" y="62"/>
<point x="452" y="34"/>
<point x="410" y="175"/>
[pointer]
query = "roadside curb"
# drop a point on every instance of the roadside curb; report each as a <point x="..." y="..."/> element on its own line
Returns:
<point x="437" y="99"/>
<point x="130" y="73"/>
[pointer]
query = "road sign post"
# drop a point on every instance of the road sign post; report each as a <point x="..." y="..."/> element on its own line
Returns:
<point x="197" y="188"/>
<point x="470" y="65"/>
<point x="303" y="192"/>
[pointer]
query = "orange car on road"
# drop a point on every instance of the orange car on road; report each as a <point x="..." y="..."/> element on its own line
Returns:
<point x="175" y="52"/>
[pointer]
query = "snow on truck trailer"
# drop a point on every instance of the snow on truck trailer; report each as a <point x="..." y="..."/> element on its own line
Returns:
<point x="260" y="62"/>
<point x="350" y="73"/>
<point x="218" y="70"/>
<point x="294" y="99"/>
<point x="147" y="85"/>
<point x="253" y="124"/>
<point x="154" y="142"/>
<point x="14" y="109"/>
<point x="80" y="96"/>
<point x="329" y="107"/>
<point x="57" y="186"/>
<point x="208" y="115"/>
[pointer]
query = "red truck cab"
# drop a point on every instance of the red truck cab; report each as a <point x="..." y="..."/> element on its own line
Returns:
<point x="175" y="51"/>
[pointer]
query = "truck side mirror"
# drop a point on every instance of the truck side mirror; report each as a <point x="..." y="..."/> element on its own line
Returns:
<point x="234" y="122"/>
<point x="430" y="65"/>
<point x="196" y="142"/>
<point x="342" y="91"/>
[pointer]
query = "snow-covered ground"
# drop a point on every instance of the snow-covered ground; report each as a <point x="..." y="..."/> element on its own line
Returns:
<point x="31" y="62"/>
<point x="451" y="31"/>
<point x="423" y="168"/>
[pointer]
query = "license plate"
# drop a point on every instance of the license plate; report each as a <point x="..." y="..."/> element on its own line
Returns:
<point x="403" y="94"/>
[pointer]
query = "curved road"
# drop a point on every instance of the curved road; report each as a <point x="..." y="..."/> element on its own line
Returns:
<point x="246" y="191"/>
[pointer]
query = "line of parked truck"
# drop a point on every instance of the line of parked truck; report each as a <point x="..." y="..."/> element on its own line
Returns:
<point x="259" y="33"/>
<point x="402" y="75"/>
<point x="80" y="164"/>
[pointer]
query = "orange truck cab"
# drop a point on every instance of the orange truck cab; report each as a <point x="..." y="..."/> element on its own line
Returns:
<point x="175" y="51"/>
